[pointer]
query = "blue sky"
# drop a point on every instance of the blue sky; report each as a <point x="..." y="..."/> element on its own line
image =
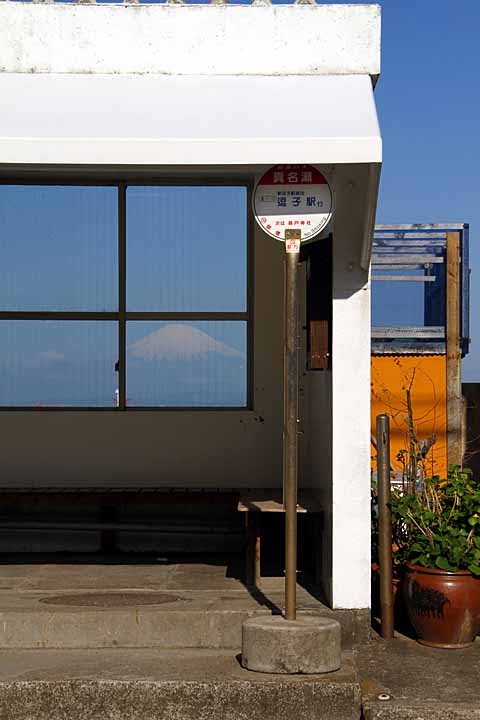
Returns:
<point x="428" y="100"/>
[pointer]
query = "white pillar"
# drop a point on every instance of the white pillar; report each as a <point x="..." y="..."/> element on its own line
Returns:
<point x="351" y="559"/>
<point x="351" y="450"/>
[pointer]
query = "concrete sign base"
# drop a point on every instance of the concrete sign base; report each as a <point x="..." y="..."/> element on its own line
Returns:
<point x="308" y="645"/>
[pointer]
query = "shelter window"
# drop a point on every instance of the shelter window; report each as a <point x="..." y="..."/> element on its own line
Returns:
<point x="124" y="296"/>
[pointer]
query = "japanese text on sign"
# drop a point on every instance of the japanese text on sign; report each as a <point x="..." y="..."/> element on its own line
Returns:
<point x="293" y="196"/>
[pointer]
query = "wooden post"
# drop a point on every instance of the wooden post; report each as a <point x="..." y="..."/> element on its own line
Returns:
<point x="384" y="526"/>
<point x="253" y="568"/>
<point x="453" y="352"/>
<point x="319" y="304"/>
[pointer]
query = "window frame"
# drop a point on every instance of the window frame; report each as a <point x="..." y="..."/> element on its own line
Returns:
<point x="121" y="316"/>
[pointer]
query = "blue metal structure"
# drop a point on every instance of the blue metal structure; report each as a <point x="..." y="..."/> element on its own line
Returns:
<point x="409" y="288"/>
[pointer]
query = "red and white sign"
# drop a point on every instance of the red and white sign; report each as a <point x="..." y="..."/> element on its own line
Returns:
<point x="292" y="245"/>
<point x="292" y="197"/>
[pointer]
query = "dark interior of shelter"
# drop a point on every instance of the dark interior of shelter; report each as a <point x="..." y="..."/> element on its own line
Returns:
<point x="147" y="527"/>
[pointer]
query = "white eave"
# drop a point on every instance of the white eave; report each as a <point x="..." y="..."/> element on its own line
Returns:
<point x="187" y="120"/>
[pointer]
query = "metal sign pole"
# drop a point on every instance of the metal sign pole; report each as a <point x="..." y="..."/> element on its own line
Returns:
<point x="297" y="197"/>
<point x="290" y="437"/>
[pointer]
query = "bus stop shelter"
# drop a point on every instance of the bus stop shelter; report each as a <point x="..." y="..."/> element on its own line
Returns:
<point x="174" y="111"/>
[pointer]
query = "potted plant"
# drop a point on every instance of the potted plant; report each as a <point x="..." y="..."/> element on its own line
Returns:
<point x="439" y="543"/>
<point x="414" y="462"/>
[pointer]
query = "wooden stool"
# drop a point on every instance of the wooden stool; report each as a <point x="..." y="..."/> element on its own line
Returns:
<point x="252" y="502"/>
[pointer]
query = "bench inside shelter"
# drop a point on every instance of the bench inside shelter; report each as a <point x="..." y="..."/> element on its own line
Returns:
<point x="108" y="512"/>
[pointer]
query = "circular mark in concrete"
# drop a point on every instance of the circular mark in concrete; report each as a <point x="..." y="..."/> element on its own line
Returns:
<point x="112" y="599"/>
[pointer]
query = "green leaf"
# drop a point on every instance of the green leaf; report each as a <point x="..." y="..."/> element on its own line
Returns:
<point x="422" y="560"/>
<point x="416" y="547"/>
<point x="443" y="563"/>
<point x="457" y="553"/>
<point x="474" y="569"/>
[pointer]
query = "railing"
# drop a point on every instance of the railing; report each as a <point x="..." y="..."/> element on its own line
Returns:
<point x="416" y="255"/>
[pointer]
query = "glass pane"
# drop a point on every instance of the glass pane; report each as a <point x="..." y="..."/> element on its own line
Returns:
<point x="186" y="249"/>
<point x="58" y="363"/>
<point x="58" y="248"/>
<point x="186" y="364"/>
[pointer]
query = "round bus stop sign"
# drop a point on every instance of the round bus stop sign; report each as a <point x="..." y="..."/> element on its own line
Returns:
<point x="292" y="197"/>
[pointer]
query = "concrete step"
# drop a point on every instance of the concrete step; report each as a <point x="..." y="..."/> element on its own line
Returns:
<point x="166" y="685"/>
<point x="151" y="602"/>
<point x="421" y="711"/>
<point x="142" y="619"/>
<point x="123" y="620"/>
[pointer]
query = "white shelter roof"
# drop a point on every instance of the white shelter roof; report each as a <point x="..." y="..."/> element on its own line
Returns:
<point x="189" y="39"/>
<point x="187" y="120"/>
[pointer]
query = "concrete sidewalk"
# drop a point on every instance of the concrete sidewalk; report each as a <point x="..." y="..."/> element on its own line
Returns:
<point x="147" y="684"/>
<point x="422" y="683"/>
<point x="165" y="685"/>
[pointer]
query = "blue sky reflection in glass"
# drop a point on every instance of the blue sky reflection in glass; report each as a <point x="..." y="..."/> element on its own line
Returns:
<point x="58" y="248"/>
<point x="186" y="249"/>
<point x="45" y="363"/>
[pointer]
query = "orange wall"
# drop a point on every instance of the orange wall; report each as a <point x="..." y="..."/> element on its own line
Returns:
<point x="426" y="375"/>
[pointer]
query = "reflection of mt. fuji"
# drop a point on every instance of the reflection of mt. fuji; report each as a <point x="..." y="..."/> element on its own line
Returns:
<point x="179" y="342"/>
